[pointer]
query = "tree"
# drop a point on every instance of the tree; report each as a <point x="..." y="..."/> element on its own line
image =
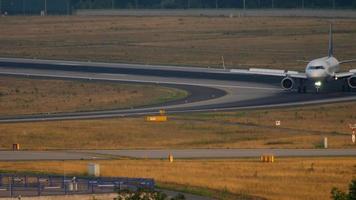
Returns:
<point x="337" y="194"/>
<point x="352" y="190"/>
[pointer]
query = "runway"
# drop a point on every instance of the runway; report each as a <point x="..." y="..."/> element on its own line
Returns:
<point x="163" y="154"/>
<point x="210" y="89"/>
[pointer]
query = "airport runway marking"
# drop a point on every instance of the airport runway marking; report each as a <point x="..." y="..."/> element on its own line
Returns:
<point x="140" y="81"/>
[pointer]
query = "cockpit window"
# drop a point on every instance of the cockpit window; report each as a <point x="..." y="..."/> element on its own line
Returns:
<point x="316" y="67"/>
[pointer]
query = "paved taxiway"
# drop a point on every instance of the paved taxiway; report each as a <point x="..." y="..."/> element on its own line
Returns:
<point x="225" y="153"/>
<point x="47" y="155"/>
<point x="161" y="154"/>
<point x="210" y="89"/>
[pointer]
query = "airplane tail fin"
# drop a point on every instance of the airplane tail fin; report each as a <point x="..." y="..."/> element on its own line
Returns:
<point x="331" y="42"/>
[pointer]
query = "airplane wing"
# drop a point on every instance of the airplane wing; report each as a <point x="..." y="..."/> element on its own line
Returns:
<point x="270" y="72"/>
<point x="345" y="74"/>
<point x="347" y="61"/>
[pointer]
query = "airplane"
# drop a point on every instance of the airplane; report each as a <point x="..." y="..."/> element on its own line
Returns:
<point x="317" y="71"/>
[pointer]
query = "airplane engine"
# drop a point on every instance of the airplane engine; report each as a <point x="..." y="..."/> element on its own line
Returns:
<point x="352" y="81"/>
<point x="287" y="83"/>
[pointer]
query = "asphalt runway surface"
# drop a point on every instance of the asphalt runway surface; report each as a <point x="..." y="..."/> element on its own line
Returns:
<point x="162" y="154"/>
<point x="47" y="155"/>
<point x="210" y="89"/>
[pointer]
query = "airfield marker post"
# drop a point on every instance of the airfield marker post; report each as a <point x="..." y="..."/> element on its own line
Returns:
<point x="170" y="158"/>
<point x="223" y="62"/>
<point x="45" y="8"/>
<point x="50" y="181"/>
<point x="26" y="181"/>
<point x="353" y="136"/>
<point x="65" y="189"/>
<point x="10" y="188"/>
<point x="12" y="179"/>
<point x="325" y="142"/>
<point x="38" y="186"/>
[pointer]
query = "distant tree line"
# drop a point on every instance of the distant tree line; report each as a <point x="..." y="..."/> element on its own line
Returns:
<point x="67" y="6"/>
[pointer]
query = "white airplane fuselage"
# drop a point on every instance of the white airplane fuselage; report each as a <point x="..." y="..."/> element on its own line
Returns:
<point x="322" y="69"/>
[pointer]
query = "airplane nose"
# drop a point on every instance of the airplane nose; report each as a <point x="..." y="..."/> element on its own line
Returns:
<point x="316" y="74"/>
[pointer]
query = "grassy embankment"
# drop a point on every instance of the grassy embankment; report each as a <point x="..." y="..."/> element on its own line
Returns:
<point x="292" y="178"/>
<point x="301" y="128"/>
<point x="192" y="41"/>
<point x="30" y="96"/>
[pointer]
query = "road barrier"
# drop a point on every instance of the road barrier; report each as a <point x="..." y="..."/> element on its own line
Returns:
<point x="267" y="158"/>
<point x="157" y="118"/>
<point x="93" y="169"/>
<point x="15" y="147"/>
<point x="13" y="185"/>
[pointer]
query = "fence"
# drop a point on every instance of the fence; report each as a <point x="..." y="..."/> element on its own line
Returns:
<point x="13" y="185"/>
<point x="34" y="7"/>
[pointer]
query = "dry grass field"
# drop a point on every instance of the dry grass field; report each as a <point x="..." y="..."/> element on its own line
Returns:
<point x="301" y="128"/>
<point x="29" y="96"/>
<point x="286" y="179"/>
<point x="192" y="41"/>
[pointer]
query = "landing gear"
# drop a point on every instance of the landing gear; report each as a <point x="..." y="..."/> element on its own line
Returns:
<point x="302" y="88"/>
<point x="343" y="88"/>
<point x="318" y="85"/>
<point x="346" y="87"/>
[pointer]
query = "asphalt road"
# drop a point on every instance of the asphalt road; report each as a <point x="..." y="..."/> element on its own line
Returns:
<point x="210" y="89"/>
<point x="162" y="154"/>
<point x="224" y="153"/>
<point x="47" y="155"/>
